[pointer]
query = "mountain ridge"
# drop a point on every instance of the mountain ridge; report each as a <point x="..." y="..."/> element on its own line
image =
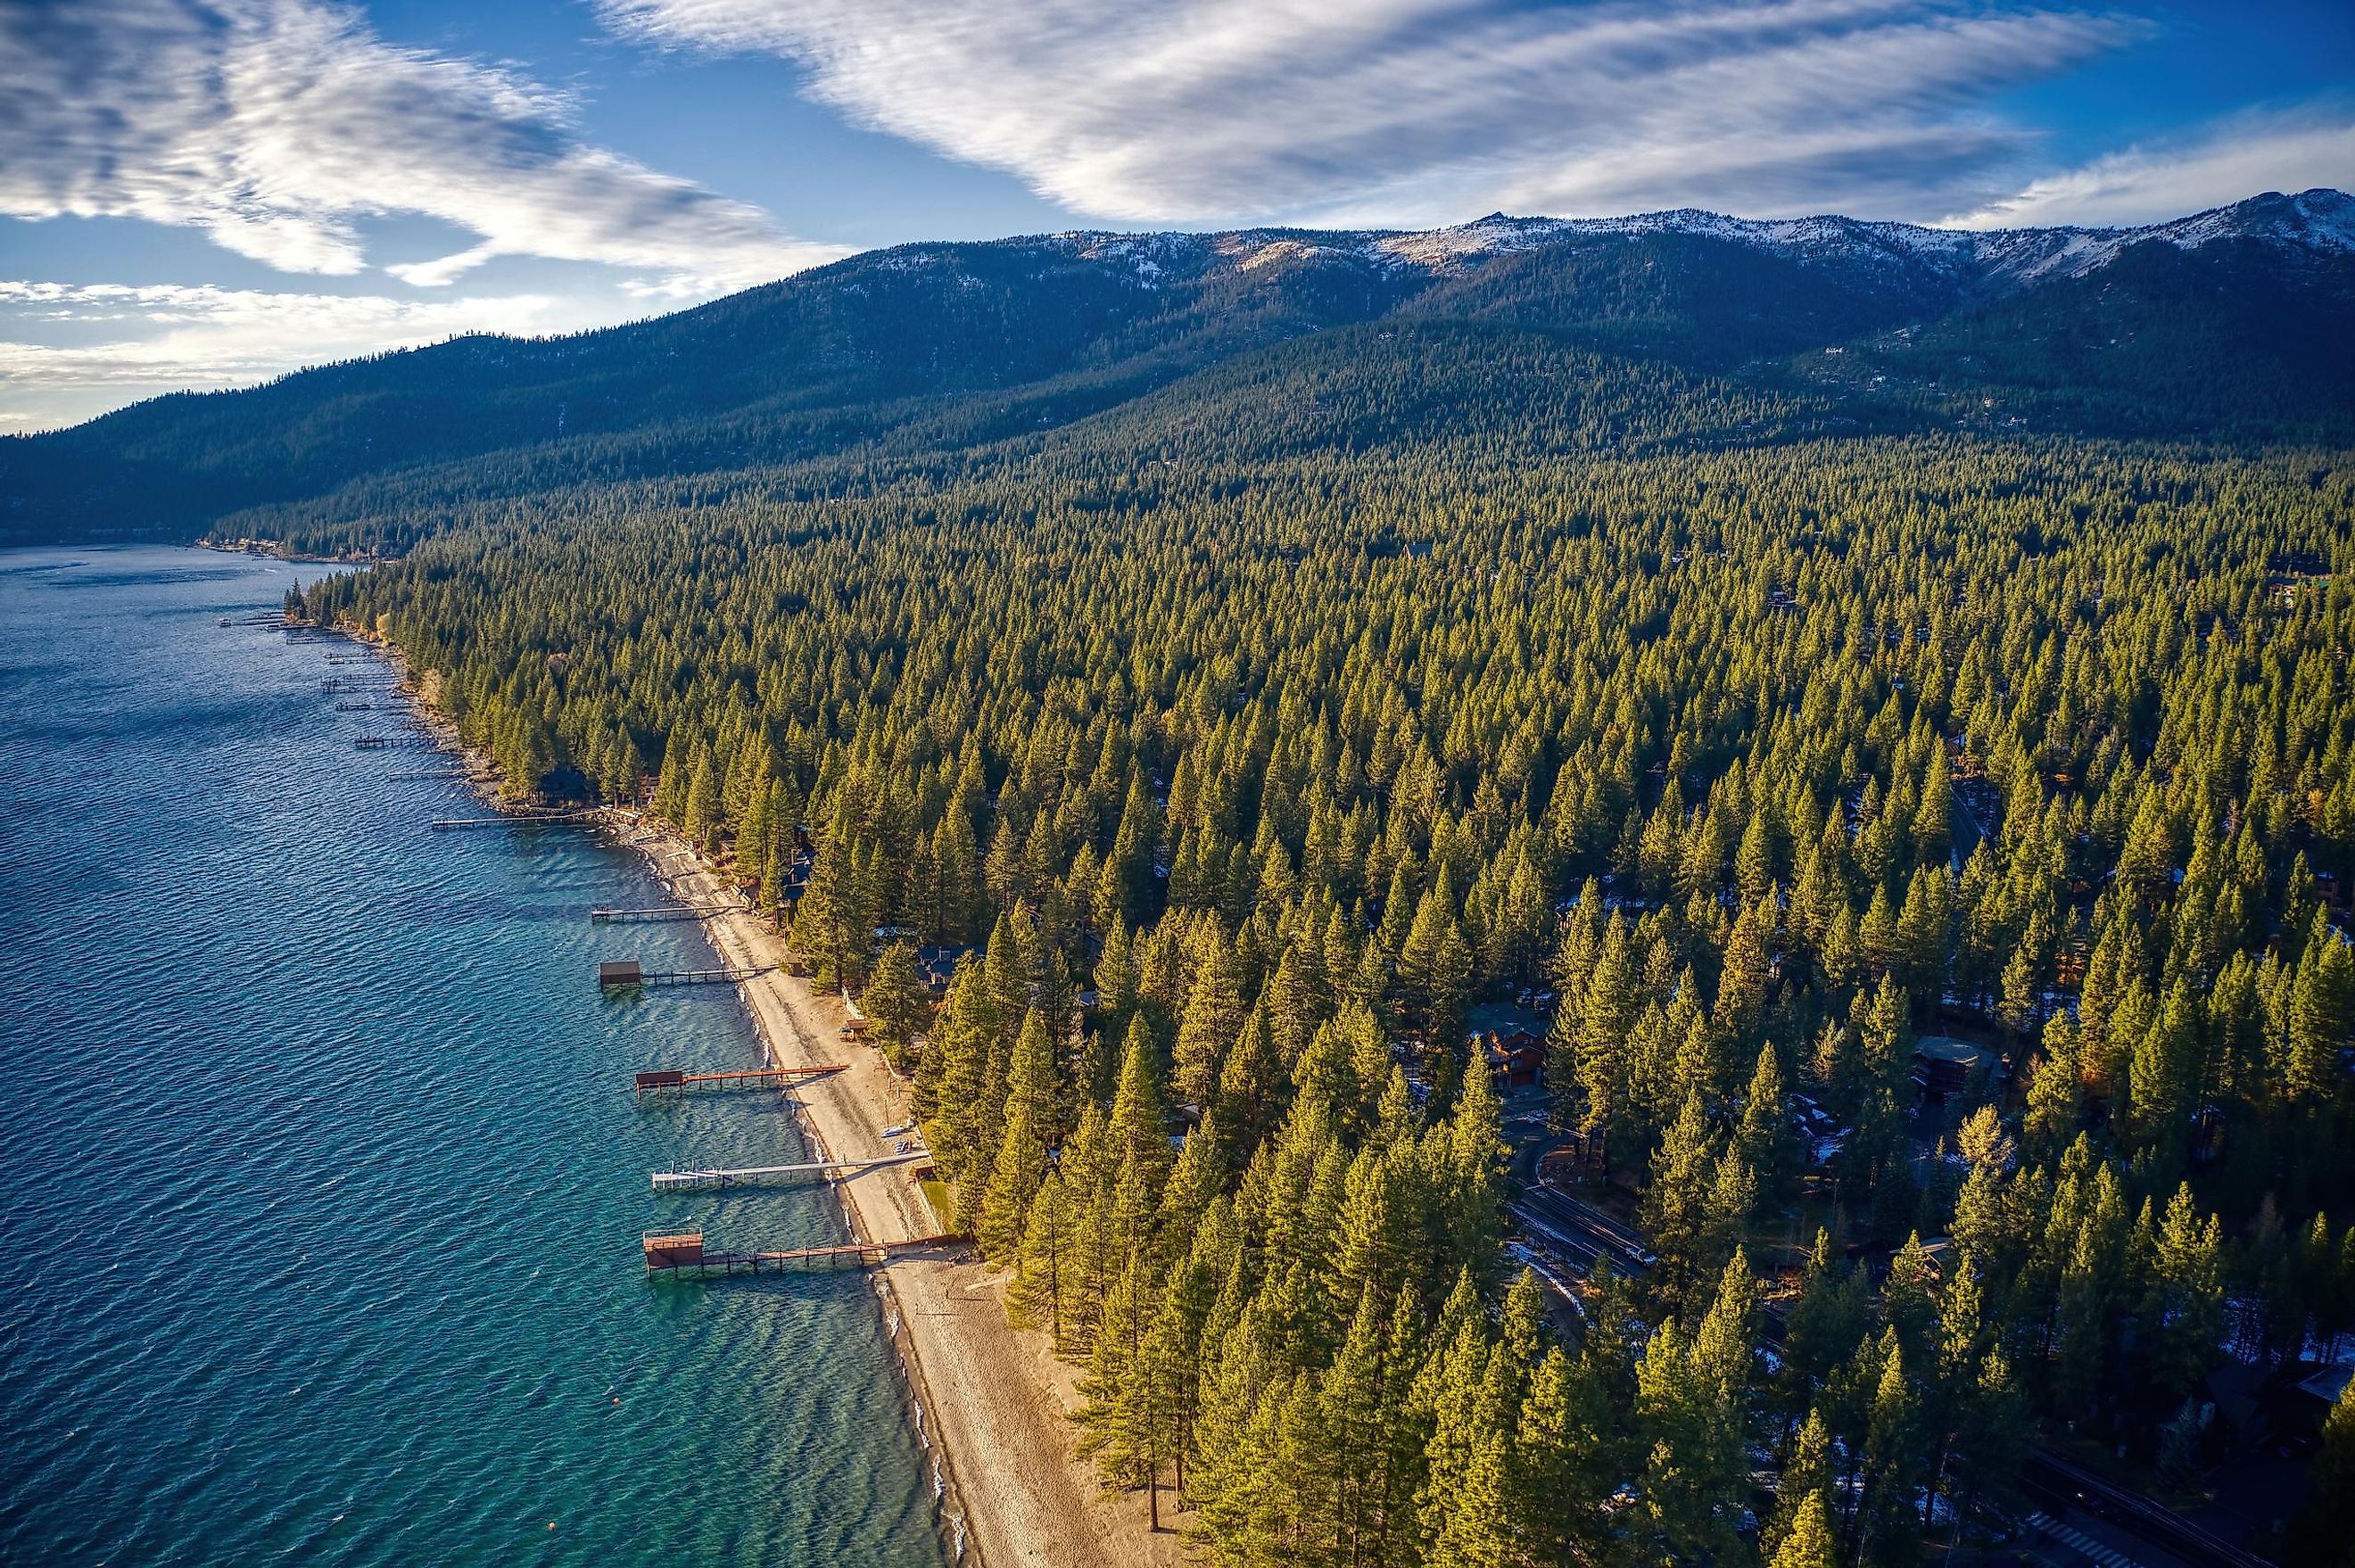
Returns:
<point x="2243" y="316"/>
<point x="2320" y="219"/>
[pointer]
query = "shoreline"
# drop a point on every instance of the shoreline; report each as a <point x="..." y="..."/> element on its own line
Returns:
<point x="990" y="1405"/>
<point x="991" y="1396"/>
<point x="268" y="550"/>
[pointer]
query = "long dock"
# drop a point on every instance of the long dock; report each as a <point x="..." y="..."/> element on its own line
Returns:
<point x="512" y="819"/>
<point x="674" y="1181"/>
<point x="666" y="912"/>
<point x="624" y="975"/>
<point x="676" y="1254"/>
<point x="656" y="1081"/>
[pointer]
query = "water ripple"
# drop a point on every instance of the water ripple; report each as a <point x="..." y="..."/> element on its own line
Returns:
<point x="324" y="1180"/>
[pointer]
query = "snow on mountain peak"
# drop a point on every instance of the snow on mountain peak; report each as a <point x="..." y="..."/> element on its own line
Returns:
<point x="2319" y="221"/>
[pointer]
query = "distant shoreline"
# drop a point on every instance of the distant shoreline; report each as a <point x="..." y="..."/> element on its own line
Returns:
<point x="271" y="550"/>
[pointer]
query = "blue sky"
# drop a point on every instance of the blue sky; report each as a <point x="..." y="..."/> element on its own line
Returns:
<point x="207" y="193"/>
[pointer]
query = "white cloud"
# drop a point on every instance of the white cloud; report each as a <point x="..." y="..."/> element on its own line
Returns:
<point x="2224" y="163"/>
<point x="132" y="342"/>
<point x="1407" y="111"/>
<point x="277" y="126"/>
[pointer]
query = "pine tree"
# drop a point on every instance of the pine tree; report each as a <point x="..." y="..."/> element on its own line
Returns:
<point x="828" y="925"/>
<point x="1215" y="1013"/>
<point x="1435" y="971"/>
<point x="1252" y="1081"/>
<point x="950" y="1079"/>
<point x="1357" y="1397"/>
<point x="1474" y="1193"/>
<point x="895" y="1002"/>
<point x="1806" y="1474"/>
<point x="2321" y="1011"/>
<point x="1021" y="1160"/>
<point x="1753" y="860"/>
<point x="1454" y="1388"/>
<point x="2183" y="1305"/>
<point x="1605" y="1016"/>
<point x="1482" y="1510"/>
<point x="1117" y="989"/>
<point x="1676" y="1204"/>
<point x="1564" y="1462"/>
<point x="1763" y="1136"/>
<point x="700" y="819"/>
<point x="1891" y="1470"/>
<point x="1042" y="1282"/>
<point x="1725" y="1213"/>
<point x="1808" y="1543"/>
<point x="1139" y="1130"/>
<point x="2053" y="1094"/>
<point x="1123" y="1432"/>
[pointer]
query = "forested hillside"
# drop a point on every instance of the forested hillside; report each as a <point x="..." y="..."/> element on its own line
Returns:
<point x="2239" y="323"/>
<point x="1260" y="730"/>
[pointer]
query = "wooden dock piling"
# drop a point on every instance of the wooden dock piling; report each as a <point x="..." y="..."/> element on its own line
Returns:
<point x="512" y="819"/>
<point x="683" y="1254"/>
<point x="665" y="912"/>
<point x="627" y="975"/>
<point x="673" y="1080"/>
<point x="823" y="1170"/>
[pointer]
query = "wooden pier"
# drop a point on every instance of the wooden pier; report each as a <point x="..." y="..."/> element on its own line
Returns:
<point x="510" y="819"/>
<point x="676" y="1082"/>
<point x="682" y="1254"/>
<point x="624" y="975"/>
<point x="370" y="743"/>
<point x="666" y="912"/>
<point x="825" y="1169"/>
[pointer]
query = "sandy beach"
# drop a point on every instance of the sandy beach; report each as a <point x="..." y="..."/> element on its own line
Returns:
<point x="994" y="1404"/>
<point x="995" y="1401"/>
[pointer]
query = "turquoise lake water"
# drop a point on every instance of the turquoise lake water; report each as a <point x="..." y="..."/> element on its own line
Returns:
<point x="324" y="1177"/>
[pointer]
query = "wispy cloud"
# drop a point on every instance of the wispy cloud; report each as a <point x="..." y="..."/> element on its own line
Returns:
<point x="2222" y="162"/>
<point x="127" y="342"/>
<point x="277" y="126"/>
<point x="1410" y="111"/>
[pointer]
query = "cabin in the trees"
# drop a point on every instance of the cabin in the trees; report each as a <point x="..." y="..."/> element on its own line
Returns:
<point x="1943" y="1064"/>
<point x="1511" y="1040"/>
<point x="1517" y="1057"/>
<point x="936" y="965"/>
<point x="797" y="869"/>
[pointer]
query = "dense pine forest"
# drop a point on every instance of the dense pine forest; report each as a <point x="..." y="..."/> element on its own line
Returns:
<point x="1916" y="817"/>
<point x="1251" y="776"/>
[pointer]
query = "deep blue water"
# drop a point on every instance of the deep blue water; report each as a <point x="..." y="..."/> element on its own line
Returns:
<point x="322" y="1177"/>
